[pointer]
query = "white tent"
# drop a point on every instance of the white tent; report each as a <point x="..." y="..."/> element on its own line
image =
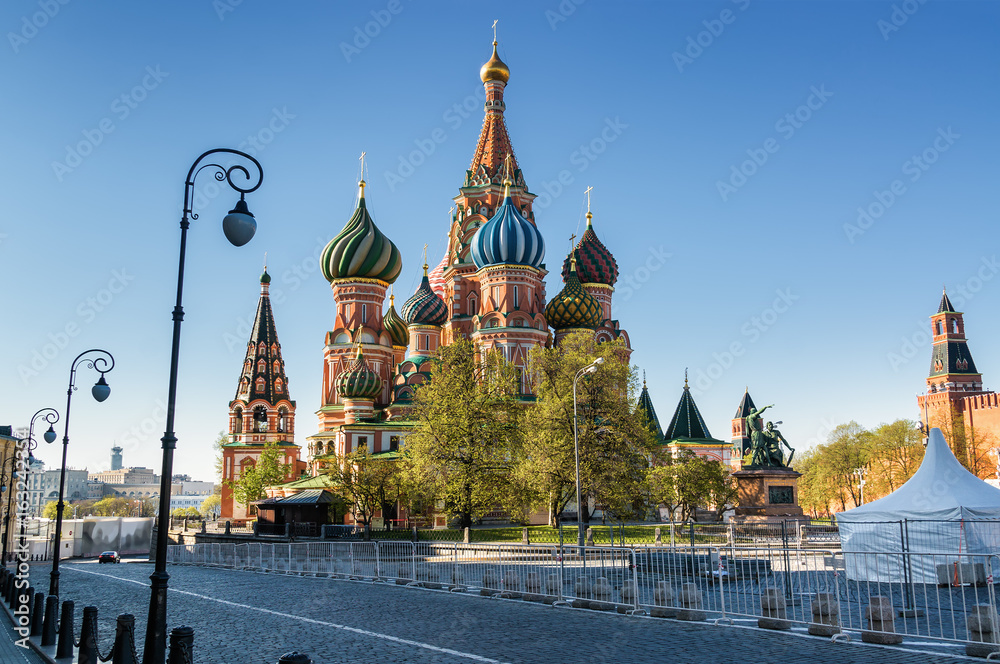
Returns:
<point x="943" y="509"/>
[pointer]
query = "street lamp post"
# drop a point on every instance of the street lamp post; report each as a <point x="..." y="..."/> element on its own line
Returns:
<point x="861" y="474"/>
<point x="239" y="227"/>
<point x="50" y="415"/>
<point x="589" y="369"/>
<point x="103" y="363"/>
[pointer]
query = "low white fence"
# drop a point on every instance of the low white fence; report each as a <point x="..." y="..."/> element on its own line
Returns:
<point x="875" y="595"/>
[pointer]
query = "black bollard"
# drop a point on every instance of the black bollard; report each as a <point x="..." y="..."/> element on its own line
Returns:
<point x="123" y="651"/>
<point x="8" y="591"/>
<point x="88" y="637"/>
<point x="295" y="658"/>
<point x="181" y="645"/>
<point x="64" y="648"/>
<point x="24" y="598"/>
<point x="38" y="614"/>
<point x="49" y="625"/>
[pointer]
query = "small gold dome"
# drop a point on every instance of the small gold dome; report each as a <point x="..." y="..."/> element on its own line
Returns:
<point x="495" y="69"/>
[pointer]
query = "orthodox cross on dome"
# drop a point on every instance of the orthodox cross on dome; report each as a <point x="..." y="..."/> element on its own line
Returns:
<point x="362" y="160"/>
<point x="265" y="261"/>
<point x="587" y="191"/>
<point x="495" y="29"/>
<point x="425" y="258"/>
<point x="685" y="378"/>
<point x="571" y="238"/>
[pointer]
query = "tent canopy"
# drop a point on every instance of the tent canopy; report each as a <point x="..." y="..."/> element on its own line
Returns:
<point x="941" y="489"/>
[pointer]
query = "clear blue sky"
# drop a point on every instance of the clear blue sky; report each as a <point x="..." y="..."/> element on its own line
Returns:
<point x="817" y="312"/>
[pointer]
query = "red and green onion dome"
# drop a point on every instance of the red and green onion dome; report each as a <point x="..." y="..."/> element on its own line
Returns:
<point x="358" y="381"/>
<point x="508" y="238"/>
<point x="425" y="307"/>
<point x="573" y="306"/>
<point x="594" y="263"/>
<point x="394" y="325"/>
<point x="361" y="251"/>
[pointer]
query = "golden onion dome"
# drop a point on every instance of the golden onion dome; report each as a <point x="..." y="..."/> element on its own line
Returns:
<point x="495" y="69"/>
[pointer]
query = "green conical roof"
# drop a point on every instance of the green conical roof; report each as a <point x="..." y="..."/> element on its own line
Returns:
<point x="645" y="406"/>
<point x="687" y="423"/>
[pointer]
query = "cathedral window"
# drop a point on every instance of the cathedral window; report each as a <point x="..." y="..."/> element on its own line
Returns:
<point x="364" y="312"/>
<point x="938" y="328"/>
<point x="238" y="423"/>
<point x="274" y="349"/>
<point x="362" y="442"/>
<point x="283" y="421"/>
<point x="260" y="419"/>
<point x="261" y="366"/>
<point x="473" y="305"/>
<point x="262" y="349"/>
<point x="260" y="384"/>
<point x="277" y="385"/>
<point x="393" y="443"/>
<point x="954" y="325"/>
<point x="517" y="300"/>
<point x="277" y="366"/>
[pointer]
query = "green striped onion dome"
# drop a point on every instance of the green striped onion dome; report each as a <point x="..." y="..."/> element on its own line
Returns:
<point x="594" y="263"/>
<point x="425" y="307"/>
<point x="265" y="278"/>
<point x="358" y="381"/>
<point x="394" y="325"/>
<point x="361" y="250"/>
<point x="573" y="306"/>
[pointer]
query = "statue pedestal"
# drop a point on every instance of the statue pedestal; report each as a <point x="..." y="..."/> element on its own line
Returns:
<point x="768" y="493"/>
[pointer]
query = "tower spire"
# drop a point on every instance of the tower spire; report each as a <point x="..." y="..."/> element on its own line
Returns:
<point x="361" y="182"/>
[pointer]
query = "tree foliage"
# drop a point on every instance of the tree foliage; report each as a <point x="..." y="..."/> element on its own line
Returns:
<point x="888" y="455"/>
<point x="212" y="505"/>
<point x="467" y="434"/>
<point x="686" y="481"/>
<point x="367" y="482"/>
<point x="267" y="471"/>
<point x="614" y="442"/>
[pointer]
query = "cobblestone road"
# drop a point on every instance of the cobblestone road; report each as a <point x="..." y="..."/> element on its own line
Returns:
<point x="251" y="618"/>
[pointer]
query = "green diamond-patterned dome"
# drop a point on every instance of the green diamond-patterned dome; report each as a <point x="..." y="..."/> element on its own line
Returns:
<point x="358" y="381"/>
<point x="394" y="325"/>
<point x="360" y="250"/>
<point x="573" y="306"/>
<point x="425" y="307"/>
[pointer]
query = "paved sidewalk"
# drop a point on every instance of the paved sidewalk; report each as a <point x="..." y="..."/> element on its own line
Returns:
<point x="10" y="652"/>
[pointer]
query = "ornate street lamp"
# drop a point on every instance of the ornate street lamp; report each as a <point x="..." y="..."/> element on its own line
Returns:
<point x="589" y="369"/>
<point x="103" y="363"/>
<point x="239" y="227"/>
<point x="28" y="444"/>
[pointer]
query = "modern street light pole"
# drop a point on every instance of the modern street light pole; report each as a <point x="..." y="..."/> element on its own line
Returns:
<point x="861" y="474"/>
<point x="50" y="415"/>
<point x="589" y="369"/>
<point x="103" y="363"/>
<point x="239" y="227"/>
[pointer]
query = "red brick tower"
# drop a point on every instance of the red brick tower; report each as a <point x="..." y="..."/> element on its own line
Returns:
<point x="262" y="411"/>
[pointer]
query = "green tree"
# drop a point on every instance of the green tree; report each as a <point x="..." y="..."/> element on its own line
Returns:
<point x="212" y="505"/>
<point x="268" y="471"/>
<point x="614" y="441"/>
<point x="467" y="435"/>
<point x="49" y="511"/>
<point x="895" y="451"/>
<point x="217" y="446"/>
<point x="686" y="481"/>
<point x="367" y="482"/>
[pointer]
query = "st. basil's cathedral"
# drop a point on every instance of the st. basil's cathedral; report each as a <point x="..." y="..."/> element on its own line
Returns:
<point x="489" y="287"/>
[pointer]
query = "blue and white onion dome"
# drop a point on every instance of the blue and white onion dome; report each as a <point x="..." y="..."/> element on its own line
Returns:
<point x="508" y="238"/>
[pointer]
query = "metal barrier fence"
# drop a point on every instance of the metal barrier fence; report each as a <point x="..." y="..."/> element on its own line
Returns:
<point x="883" y="597"/>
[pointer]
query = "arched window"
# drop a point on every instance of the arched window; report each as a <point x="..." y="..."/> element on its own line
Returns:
<point x="283" y="421"/>
<point x="260" y="419"/>
<point x="274" y="349"/>
<point x="278" y="386"/>
<point x="261" y="365"/>
<point x="954" y="325"/>
<point x="262" y="348"/>
<point x="938" y="328"/>
<point x="260" y="384"/>
<point x="517" y="300"/>
<point x="277" y="366"/>
<point x="238" y="424"/>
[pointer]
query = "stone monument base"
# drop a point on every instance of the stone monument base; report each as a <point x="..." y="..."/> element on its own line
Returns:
<point x="767" y="493"/>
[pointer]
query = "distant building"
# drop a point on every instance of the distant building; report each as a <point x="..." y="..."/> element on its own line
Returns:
<point x="116" y="458"/>
<point x="35" y="488"/>
<point x="126" y="476"/>
<point x="76" y="485"/>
